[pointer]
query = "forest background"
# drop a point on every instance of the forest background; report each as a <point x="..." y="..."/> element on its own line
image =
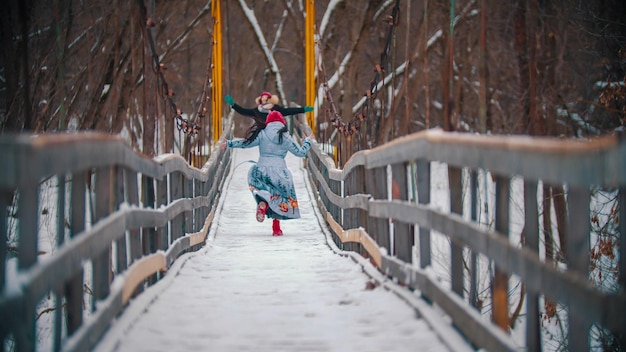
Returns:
<point x="533" y="67"/>
<point x="142" y="69"/>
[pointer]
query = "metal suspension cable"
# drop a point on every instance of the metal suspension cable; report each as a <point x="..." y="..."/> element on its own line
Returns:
<point x="184" y="125"/>
<point x="354" y="124"/>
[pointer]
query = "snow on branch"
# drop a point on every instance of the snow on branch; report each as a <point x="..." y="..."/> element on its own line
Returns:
<point x="181" y="38"/>
<point x="326" y="18"/>
<point x="266" y="50"/>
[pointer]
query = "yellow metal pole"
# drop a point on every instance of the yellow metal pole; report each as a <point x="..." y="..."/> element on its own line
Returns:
<point x="309" y="53"/>
<point x="216" y="71"/>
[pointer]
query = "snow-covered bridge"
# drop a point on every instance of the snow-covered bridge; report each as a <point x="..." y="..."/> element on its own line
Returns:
<point x="159" y="255"/>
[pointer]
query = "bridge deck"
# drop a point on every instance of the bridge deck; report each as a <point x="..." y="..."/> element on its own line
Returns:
<point x="249" y="291"/>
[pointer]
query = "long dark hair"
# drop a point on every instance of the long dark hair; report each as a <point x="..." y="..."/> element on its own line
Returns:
<point x="256" y="128"/>
<point x="280" y="134"/>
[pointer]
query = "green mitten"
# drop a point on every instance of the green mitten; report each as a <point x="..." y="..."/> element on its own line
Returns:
<point x="308" y="108"/>
<point x="229" y="100"/>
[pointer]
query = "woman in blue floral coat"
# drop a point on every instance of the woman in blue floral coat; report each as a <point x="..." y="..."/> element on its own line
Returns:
<point x="269" y="179"/>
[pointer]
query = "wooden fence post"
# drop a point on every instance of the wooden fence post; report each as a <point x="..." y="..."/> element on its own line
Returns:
<point x="148" y="234"/>
<point x="132" y="197"/>
<point x="188" y="215"/>
<point x="423" y="197"/>
<point x="60" y="291"/>
<point x="353" y="218"/>
<point x="120" y="244"/>
<point x="101" y="264"/>
<point x="473" y="266"/>
<point x="176" y="192"/>
<point x="161" y="199"/>
<point x="403" y="232"/>
<point x="456" y="250"/>
<point x="74" y="287"/>
<point x="577" y="257"/>
<point x="376" y="185"/>
<point x="531" y="235"/>
<point x="28" y="205"/>
<point x="500" y="285"/>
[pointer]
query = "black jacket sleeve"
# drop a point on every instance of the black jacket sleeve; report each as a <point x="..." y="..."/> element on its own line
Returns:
<point x="244" y="111"/>
<point x="288" y="111"/>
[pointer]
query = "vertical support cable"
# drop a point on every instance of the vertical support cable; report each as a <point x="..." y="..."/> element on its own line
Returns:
<point x="216" y="87"/>
<point x="309" y="54"/>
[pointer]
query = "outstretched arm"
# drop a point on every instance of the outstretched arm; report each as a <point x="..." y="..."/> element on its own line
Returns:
<point x="239" y="143"/>
<point x="243" y="111"/>
<point x="291" y="111"/>
<point x="299" y="151"/>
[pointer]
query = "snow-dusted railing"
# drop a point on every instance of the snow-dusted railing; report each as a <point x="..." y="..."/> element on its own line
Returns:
<point x="122" y="220"/>
<point x="380" y="206"/>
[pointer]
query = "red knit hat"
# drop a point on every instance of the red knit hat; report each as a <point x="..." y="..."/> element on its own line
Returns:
<point x="275" y="116"/>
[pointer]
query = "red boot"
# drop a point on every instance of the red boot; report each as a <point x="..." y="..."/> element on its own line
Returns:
<point x="276" y="231"/>
<point x="261" y="209"/>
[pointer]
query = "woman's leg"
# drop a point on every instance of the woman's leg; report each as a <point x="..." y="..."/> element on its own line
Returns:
<point x="261" y="209"/>
<point x="276" y="231"/>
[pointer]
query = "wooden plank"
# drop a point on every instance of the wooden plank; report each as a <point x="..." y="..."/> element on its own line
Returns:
<point x="132" y="198"/>
<point x="161" y="200"/>
<point x="349" y="201"/>
<point x="376" y="185"/>
<point x="121" y="256"/>
<point x="468" y="321"/>
<point x="577" y="256"/>
<point x="147" y="199"/>
<point x="356" y="236"/>
<point x="531" y="236"/>
<point x="66" y="266"/>
<point x="423" y="196"/>
<point x="176" y="192"/>
<point x="28" y="205"/>
<point x="28" y="215"/>
<point x="101" y="268"/>
<point x="74" y="286"/>
<point x="93" y="329"/>
<point x="187" y="215"/>
<point x="139" y="271"/>
<point x="455" y="184"/>
<point x="403" y="232"/>
<point x="197" y="214"/>
<point x="60" y="235"/>
<point x="500" y="283"/>
<point x="599" y="307"/>
<point x="575" y="162"/>
<point x="473" y="266"/>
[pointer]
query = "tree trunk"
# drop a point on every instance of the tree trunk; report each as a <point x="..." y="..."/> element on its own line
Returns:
<point x="521" y="45"/>
<point x="426" y="69"/>
<point x="483" y="70"/>
<point x="447" y="78"/>
<point x="151" y="91"/>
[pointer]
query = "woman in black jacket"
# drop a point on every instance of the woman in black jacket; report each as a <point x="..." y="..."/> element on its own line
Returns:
<point x="266" y="102"/>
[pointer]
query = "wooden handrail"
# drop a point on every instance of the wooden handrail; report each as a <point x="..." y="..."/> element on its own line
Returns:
<point x="132" y="190"/>
<point x="576" y="164"/>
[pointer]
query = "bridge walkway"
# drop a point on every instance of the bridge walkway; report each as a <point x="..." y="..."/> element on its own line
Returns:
<point x="249" y="291"/>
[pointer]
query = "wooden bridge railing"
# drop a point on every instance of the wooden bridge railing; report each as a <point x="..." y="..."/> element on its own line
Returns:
<point x="389" y="225"/>
<point x="122" y="220"/>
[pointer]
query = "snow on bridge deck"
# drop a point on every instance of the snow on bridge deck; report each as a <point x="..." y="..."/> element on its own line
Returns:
<point x="249" y="291"/>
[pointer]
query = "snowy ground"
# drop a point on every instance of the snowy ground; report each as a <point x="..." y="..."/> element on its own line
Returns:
<point x="249" y="291"/>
